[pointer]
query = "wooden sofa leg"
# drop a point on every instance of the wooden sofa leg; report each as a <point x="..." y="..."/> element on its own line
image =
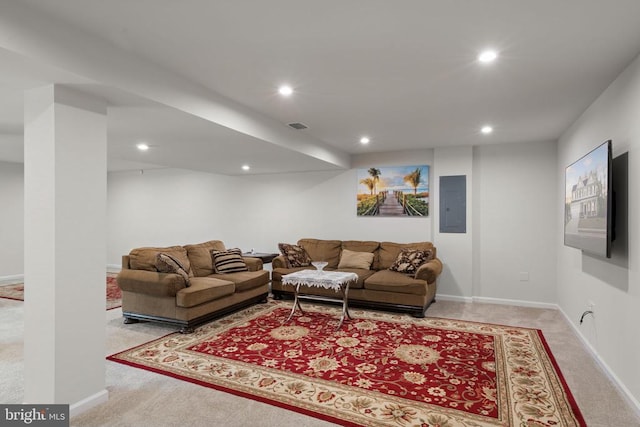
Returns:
<point x="186" y="330"/>
<point x="129" y="320"/>
<point x="421" y="314"/>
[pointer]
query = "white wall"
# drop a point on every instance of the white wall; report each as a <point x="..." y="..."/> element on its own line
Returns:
<point x="166" y="207"/>
<point x="515" y="230"/>
<point x="163" y="207"/>
<point x="11" y="221"/>
<point x="613" y="284"/>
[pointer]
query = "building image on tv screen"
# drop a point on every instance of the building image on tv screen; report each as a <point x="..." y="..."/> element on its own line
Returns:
<point x="586" y="207"/>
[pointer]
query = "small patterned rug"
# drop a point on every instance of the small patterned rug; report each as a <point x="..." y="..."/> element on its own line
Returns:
<point x="114" y="295"/>
<point x="379" y="369"/>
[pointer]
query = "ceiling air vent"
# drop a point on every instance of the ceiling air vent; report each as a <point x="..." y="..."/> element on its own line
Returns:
<point x="298" y="126"/>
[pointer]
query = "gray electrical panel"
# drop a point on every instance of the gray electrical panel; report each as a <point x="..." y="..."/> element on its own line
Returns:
<point x="453" y="204"/>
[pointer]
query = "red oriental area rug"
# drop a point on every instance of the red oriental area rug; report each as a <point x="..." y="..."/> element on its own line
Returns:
<point x="114" y="295"/>
<point x="379" y="369"/>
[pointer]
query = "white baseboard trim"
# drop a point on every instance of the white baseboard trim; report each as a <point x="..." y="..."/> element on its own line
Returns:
<point x="453" y="298"/>
<point x="631" y="400"/>
<point x="516" y="302"/>
<point x="16" y="278"/>
<point x="486" y="300"/>
<point x="114" y="268"/>
<point x="88" y="403"/>
<point x="19" y="278"/>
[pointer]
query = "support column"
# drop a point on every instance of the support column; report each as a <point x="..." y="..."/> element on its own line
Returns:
<point x="65" y="139"/>
<point x="457" y="249"/>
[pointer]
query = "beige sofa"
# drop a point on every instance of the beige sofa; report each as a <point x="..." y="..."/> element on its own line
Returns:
<point x="377" y="287"/>
<point x="148" y="294"/>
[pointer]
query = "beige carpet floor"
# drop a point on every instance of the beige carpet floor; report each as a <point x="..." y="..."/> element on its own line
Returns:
<point x="142" y="398"/>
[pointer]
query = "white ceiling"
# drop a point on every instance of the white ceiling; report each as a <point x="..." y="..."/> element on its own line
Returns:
<point x="403" y="73"/>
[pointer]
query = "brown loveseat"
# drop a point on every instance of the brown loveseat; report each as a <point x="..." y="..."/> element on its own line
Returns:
<point x="378" y="286"/>
<point x="148" y="294"/>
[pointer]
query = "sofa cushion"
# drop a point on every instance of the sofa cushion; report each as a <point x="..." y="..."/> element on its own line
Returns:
<point x="363" y="274"/>
<point x="323" y="250"/>
<point x="145" y="258"/>
<point x="166" y="263"/>
<point x="360" y="245"/>
<point x="294" y="255"/>
<point x="409" y="260"/>
<point x="200" y="256"/>
<point x="229" y="261"/>
<point x="391" y="281"/>
<point x="389" y="251"/>
<point x="203" y="289"/>
<point x="351" y="259"/>
<point x="245" y="280"/>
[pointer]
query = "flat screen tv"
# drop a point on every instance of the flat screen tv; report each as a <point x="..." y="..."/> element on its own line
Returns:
<point x="588" y="211"/>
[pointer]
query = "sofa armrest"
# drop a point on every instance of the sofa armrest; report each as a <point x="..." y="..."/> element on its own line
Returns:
<point x="278" y="262"/>
<point x="429" y="271"/>
<point x="253" y="264"/>
<point x="150" y="282"/>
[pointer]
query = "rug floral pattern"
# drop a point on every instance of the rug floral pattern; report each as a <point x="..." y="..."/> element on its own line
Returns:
<point x="114" y="294"/>
<point x="13" y="291"/>
<point x="378" y="369"/>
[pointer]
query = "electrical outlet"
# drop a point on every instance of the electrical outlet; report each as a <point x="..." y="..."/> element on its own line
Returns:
<point x="524" y="276"/>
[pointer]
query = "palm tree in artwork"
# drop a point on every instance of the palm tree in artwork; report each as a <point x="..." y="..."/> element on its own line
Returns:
<point x="369" y="183"/>
<point x="375" y="175"/>
<point x="413" y="179"/>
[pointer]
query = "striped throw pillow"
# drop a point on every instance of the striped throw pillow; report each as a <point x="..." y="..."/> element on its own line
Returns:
<point x="229" y="261"/>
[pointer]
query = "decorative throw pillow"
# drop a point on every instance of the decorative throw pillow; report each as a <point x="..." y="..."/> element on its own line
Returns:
<point x="229" y="261"/>
<point x="166" y="263"/>
<point x="352" y="259"/>
<point x="409" y="260"/>
<point x="294" y="255"/>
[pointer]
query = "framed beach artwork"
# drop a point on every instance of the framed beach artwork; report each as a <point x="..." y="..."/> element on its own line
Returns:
<point x="398" y="191"/>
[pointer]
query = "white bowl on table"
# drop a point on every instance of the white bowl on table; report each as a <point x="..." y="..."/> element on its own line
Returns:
<point x="319" y="265"/>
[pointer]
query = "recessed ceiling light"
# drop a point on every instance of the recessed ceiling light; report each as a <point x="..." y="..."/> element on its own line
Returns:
<point x="487" y="56"/>
<point x="486" y="130"/>
<point x="364" y="140"/>
<point x="142" y="147"/>
<point x="285" y="90"/>
<point x="245" y="167"/>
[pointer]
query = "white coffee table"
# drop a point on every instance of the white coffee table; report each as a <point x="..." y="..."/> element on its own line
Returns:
<point x="337" y="280"/>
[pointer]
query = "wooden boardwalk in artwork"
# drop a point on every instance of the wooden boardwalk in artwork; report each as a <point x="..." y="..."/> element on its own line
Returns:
<point x="391" y="206"/>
